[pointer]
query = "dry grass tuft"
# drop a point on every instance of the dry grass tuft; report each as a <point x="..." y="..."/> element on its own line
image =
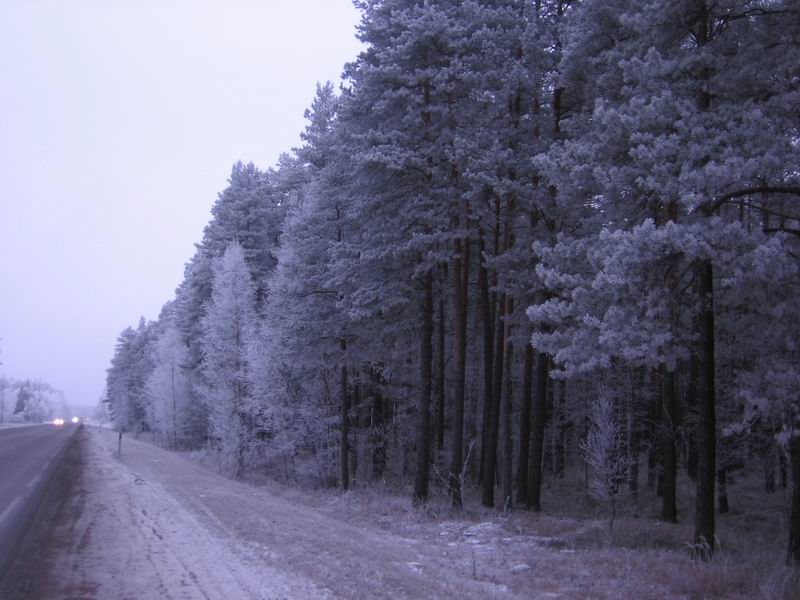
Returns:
<point x="567" y="551"/>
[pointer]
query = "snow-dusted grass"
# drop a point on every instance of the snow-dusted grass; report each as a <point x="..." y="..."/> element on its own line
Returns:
<point x="568" y="549"/>
<point x="227" y="538"/>
<point x="152" y="524"/>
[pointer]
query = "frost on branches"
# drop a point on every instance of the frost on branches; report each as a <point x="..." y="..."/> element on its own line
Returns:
<point x="228" y="333"/>
<point x="505" y="203"/>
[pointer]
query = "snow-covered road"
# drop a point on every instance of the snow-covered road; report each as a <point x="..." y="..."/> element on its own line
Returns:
<point x="155" y="525"/>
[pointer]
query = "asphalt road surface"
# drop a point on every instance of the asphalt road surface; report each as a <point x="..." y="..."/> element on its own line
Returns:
<point x="29" y="456"/>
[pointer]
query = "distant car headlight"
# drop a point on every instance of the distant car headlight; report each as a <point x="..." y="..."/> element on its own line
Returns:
<point x="75" y="419"/>
<point x="58" y="421"/>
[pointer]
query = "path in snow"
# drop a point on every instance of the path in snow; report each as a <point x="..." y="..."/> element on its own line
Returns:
<point x="154" y="525"/>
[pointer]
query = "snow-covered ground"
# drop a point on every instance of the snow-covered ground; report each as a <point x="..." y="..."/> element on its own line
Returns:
<point x="154" y="524"/>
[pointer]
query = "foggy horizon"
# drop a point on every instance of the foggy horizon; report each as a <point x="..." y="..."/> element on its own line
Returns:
<point x="121" y="124"/>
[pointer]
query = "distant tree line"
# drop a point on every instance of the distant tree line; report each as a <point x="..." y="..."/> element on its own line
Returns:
<point x="30" y="401"/>
<point x="523" y="235"/>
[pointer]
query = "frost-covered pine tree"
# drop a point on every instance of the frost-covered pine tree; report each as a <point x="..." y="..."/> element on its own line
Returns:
<point x="760" y="308"/>
<point x="251" y="211"/>
<point x="167" y="388"/>
<point x="125" y="379"/>
<point x="304" y="361"/>
<point x="409" y="215"/>
<point x="688" y="110"/>
<point x="228" y="331"/>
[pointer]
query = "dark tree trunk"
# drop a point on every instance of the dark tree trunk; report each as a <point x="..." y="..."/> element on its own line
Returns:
<point x="549" y="419"/>
<point x="486" y="301"/>
<point x="633" y="471"/>
<point x="706" y="417"/>
<point x="508" y="408"/>
<point x="378" y="438"/>
<point x="722" y="487"/>
<point x="426" y="374"/>
<point x="704" y="535"/>
<point x="356" y="426"/>
<point x="490" y="452"/>
<point x="633" y="440"/>
<point x="440" y="382"/>
<point x="344" y="457"/>
<point x="654" y="479"/>
<point x="174" y="409"/>
<point x="669" y="456"/>
<point x="793" y="554"/>
<point x="669" y="397"/>
<point x="539" y="404"/>
<point x="770" y="483"/>
<point x="460" y="297"/>
<point x="559" y="438"/>
<point x="525" y="426"/>
<point x="783" y="469"/>
<point x="691" y="401"/>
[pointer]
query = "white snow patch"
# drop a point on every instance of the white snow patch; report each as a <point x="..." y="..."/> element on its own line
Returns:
<point x="520" y="568"/>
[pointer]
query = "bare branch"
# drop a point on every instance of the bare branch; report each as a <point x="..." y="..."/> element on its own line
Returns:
<point x="712" y="207"/>
<point x="767" y="210"/>
<point x="318" y="292"/>
<point x="789" y="230"/>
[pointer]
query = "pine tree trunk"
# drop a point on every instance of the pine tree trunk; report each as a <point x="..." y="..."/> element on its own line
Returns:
<point x="488" y="352"/>
<point x="508" y="408"/>
<point x="525" y="426"/>
<point x="722" y="486"/>
<point x="471" y="462"/>
<point x="560" y="408"/>
<point x="440" y="383"/>
<point x="356" y="424"/>
<point x="706" y="412"/>
<point x="490" y="452"/>
<point x="654" y="479"/>
<point x="538" y="406"/>
<point x="770" y="483"/>
<point x="704" y="536"/>
<point x="633" y="441"/>
<point x="691" y="401"/>
<point x="174" y="408"/>
<point x="783" y="469"/>
<point x="793" y="552"/>
<point x="549" y="447"/>
<point x="426" y="374"/>
<point x="344" y="458"/>
<point x="378" y="438"/>
<point x="460" y="296"/>
<point x="669" y="456"/>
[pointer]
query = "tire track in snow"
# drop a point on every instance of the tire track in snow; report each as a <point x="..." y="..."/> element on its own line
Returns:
<point x="121" y="535"/>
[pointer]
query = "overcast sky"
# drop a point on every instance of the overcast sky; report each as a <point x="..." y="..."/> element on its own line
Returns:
<point x="119" y="123"/>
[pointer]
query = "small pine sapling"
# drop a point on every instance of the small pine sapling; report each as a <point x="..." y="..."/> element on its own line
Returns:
<point x="606" y="456"/>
